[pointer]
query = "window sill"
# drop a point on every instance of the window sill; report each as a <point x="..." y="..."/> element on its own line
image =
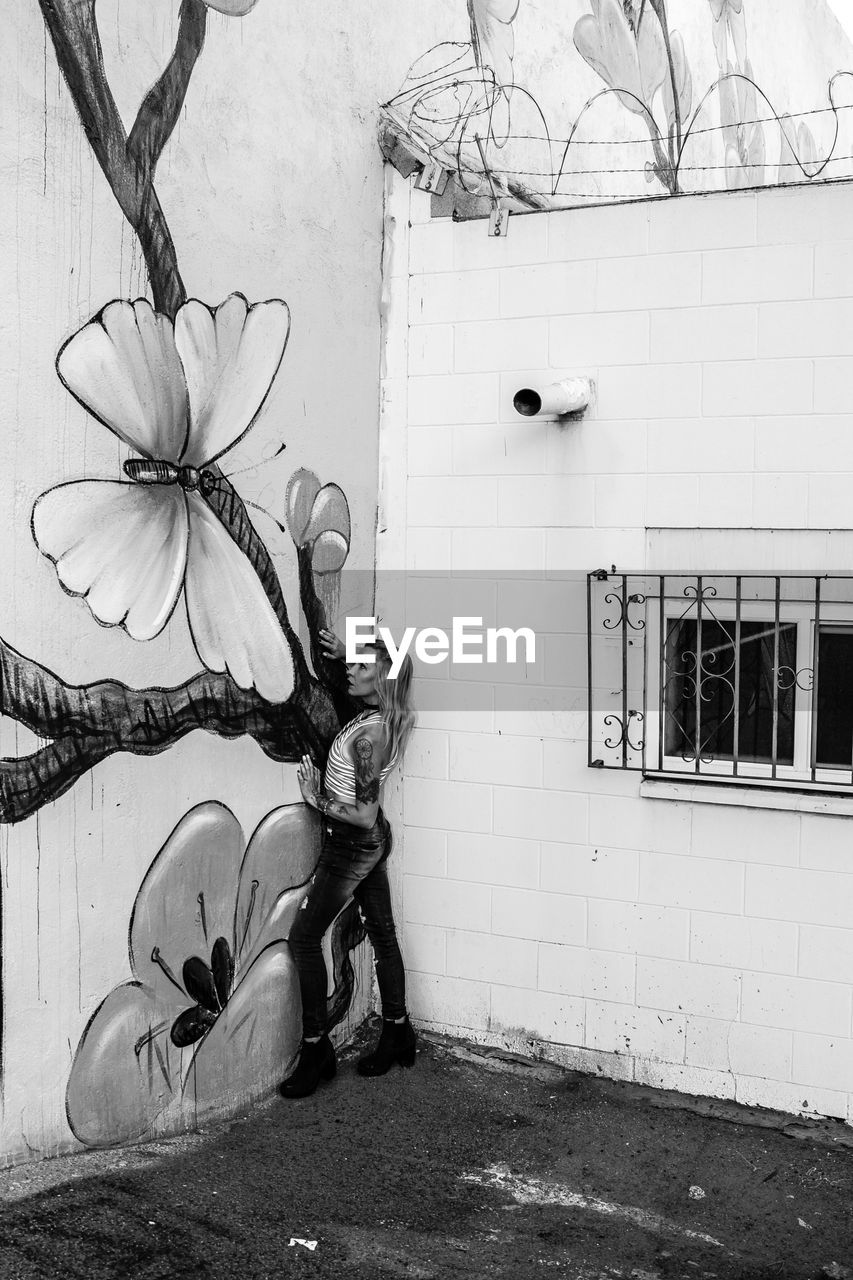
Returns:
<point x="746" y="797"/>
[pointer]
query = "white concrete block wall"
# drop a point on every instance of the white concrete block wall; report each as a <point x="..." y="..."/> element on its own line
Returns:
<point x="545" y="905"/>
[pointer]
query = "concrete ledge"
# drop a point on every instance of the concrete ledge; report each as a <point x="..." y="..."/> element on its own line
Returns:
<point x="746" y="795"/>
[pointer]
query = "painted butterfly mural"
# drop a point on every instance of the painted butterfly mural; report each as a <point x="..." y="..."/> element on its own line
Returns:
<point x="180" y="394"/>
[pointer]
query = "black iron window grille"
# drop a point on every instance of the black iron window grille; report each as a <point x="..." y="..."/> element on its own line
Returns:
<point x="734" y="677"/>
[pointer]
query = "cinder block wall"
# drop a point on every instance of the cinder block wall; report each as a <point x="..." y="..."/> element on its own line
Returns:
<point x="547" y="906"/>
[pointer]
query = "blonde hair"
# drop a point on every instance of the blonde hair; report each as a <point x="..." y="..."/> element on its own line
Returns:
<point x="395" y="706"/>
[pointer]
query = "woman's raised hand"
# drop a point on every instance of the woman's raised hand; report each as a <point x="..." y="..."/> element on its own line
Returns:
<point x="330" y="644"/>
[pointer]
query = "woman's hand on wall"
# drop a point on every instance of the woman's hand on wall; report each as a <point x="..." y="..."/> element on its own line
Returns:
<point x="332" y="647"/>
<point x="310" y="782"/>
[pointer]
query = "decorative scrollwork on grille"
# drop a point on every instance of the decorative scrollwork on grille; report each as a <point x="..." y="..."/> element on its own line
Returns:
<point x="694" y="593"/>
<point x="688" y="752"/>
<point x="624" y="617"/>
<point x="726" y="666"/>
<point x="690" y="757"/>
<point x="613" y="743"/>
<point x="787" y="678"/>
<point x="706" y="673"/>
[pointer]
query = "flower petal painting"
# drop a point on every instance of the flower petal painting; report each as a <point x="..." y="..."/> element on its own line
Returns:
<point x="212" y="1011"/>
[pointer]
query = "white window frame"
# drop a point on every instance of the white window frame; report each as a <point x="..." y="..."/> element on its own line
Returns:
<point x="748" y="772"/>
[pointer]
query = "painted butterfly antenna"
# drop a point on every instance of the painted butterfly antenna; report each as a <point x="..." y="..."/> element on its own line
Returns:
<point x="253" y="466"/>
<point x="268" y="514"/>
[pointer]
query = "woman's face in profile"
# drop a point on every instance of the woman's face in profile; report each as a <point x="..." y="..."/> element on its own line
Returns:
<point x="361" y="679"/>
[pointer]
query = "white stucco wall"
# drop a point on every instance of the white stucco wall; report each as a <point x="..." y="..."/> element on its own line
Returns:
<point x="569" y="911"/>
<point x="272" y="185"/>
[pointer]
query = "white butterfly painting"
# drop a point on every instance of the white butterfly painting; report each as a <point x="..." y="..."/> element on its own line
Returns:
<point x="180" y="395"/>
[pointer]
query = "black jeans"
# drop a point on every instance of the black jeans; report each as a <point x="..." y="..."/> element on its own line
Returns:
<point x="352" y="865"/>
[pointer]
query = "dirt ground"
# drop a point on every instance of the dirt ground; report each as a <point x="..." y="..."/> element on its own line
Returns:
<point x="466" y="1166"/>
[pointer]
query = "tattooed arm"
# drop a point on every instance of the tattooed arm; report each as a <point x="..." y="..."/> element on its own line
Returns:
<point x="368" y="766"/>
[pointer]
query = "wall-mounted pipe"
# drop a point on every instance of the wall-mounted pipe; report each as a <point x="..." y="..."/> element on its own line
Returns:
<point x="569" y="396"/>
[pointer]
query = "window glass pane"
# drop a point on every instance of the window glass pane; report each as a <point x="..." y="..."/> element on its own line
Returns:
<point x="834" y="746"/>
<point x="700" y="691"/>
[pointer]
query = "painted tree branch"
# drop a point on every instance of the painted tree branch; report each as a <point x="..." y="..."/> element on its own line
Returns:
<point x="162" y="105"/>
<point x="331" y="673"/>
<point x="74" y="31"/>
<point x="88" y="723"/>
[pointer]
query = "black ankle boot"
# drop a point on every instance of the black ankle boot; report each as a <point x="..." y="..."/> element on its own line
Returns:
<point x="396" y="1044"/>
<point x="316" y="1062"/>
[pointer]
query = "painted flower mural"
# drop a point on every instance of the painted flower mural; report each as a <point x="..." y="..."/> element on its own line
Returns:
<point x="211" y="1019"/>
<point x="492" y="37"/>
<point x="742" y="130"/>
<point x="318" y="517"/>
<point x="181" y="394"/>
<point x="459" y="89"/>
<point x="629" y="55"/>
<point x="632" y="48"/>
<point x="461" y="103"/>
<point x="798" y="154"/>
<point x="233" y="8"/>
<point x="318" y="521"/>
<point x="571" y="147"/>
<point x="743" y="133"/>
<point x="729" y="29"/>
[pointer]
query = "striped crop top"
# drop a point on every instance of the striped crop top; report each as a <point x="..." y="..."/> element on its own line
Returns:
<point x="339" y="778"/>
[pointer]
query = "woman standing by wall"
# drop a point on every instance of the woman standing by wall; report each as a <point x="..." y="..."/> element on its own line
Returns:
<point x="356" y="844"/>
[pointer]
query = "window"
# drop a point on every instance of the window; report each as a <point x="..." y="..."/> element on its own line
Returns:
<point x="736" y="677"/>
